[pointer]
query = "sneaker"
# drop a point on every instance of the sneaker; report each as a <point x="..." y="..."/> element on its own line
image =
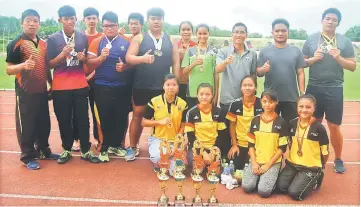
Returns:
<point x="156" y="169"/>
<point x="338" y="166"/>
<point x="32" y="165"/>
<point x="130" y="156"/>
<point x="48" y="155"/>
<point x="103" y="157"/>
<point x="64" y="157"/>
<point x="137" y="150"/>
<point x="118" y="151"/>
<point x="89" y="156"/>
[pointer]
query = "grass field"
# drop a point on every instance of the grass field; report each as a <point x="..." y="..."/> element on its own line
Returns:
<point x="351" y="85"/>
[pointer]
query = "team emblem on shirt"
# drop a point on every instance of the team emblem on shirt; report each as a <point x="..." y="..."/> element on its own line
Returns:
<point x="238" y="110"/>
<point x="196" y="117"/>
<point x="277" y="127"/>
<point x="314" y="134"/>
<point x="122" y="48"/>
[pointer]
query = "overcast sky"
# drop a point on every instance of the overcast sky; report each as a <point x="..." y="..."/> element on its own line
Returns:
<point x="256" y="14"/>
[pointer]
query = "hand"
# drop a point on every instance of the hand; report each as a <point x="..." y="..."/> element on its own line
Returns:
<point x="318" y="55"/>
<point x="181" y="50"/>
<point x="264" y="168"/>
<point x="165" y="121"/>
<point x="198" y="61"/>
<point x="81" y="55"/>
<point x="148" y="58"/>
<point x="229" y="60"/>
<point x="29" y="64"/>
<point x="335" y="53"/>
<point x="255" y="168"/>
<point x="104" y="53"/>
<point x="66" y="50"/>
<point x="234" y="149"/>
<point x="121" y="30"/>
<point x="120" y="66"/>
<point x="266" y="67"/>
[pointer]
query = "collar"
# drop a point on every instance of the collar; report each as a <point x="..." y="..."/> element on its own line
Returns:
<point x="25" y="37"/>
<point x="165" y="101"/>
<point x="234" y="50"/>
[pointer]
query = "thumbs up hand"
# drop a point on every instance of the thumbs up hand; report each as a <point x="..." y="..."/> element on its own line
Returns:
<point x="148" y="58"/>
<point x="120" y="67"/>
<point x="29" y="64"/>
<point x="81" y="55"/>
<point x="266" y="67"/>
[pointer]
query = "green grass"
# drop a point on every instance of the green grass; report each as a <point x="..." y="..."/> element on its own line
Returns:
<point x="351" y="85"/>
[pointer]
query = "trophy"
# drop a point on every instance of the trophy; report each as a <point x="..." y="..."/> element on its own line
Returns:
<point x="212" y="175"/>
<point x="198" y="166"/>
<point x="180" y="159"/>
<point x="162" y="174"/>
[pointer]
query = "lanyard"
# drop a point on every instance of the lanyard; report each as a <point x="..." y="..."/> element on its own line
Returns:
<point x="300" y="143"/>
<point x="109" y="44"/>
<point x="69" y="40"/>
<point x="157" y="45"/>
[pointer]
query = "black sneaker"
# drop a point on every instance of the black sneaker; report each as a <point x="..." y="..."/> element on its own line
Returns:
<point x="64" y="157"/>
<point x="48" y="155"/>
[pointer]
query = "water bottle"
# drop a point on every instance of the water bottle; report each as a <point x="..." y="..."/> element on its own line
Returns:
<point x="226" y="169"/>
<point x="231" y="167"/>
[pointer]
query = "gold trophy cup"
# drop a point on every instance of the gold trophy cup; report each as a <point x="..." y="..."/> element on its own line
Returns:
<point x="162" y="175"/>
<point x="198" y="166"/>
<point x="212" y="175"/>
<point x="180" y="159"/>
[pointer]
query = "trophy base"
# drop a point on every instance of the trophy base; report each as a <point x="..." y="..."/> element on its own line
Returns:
<point x="213" y="202"/>
<point x="163" y="202"/>
<point x="180" y="202"/>
<point x="197" y="202"/>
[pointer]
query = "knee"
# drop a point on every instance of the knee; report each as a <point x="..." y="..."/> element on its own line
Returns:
<point x="248" y="187"/>
<point x="282" y="186"/>
<point x="333" y="127"/>
<point x="294" y="194"/>
<point x="264" y="193"/>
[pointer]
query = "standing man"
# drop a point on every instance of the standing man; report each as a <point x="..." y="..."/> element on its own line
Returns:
<point x="328" y="53"/>
<point x="112" y="86"/>
<point x="66" y="54"/>
<point x="26" y="59"/>
<point x="283" y="64"/>
<point x="234" y="62"/>
<point x="153" y="54"/>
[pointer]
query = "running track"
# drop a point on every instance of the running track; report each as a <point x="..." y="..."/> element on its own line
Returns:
<point x="79" y="183"/>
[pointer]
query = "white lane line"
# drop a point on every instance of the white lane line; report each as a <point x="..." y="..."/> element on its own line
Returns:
<point x="143" y="158"/>
<point x="98" y="200"/>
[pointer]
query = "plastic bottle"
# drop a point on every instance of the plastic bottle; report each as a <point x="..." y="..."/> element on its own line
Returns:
<point x="231" y="167"/>
<point x="226" y="169"/>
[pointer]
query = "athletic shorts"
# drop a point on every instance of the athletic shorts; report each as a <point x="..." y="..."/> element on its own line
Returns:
<point x="141" y="97"/>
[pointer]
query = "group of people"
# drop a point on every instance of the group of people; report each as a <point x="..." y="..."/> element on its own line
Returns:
<point x="183" y="87"/>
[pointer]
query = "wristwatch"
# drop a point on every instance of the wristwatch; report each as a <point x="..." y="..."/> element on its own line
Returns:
<point x="302" y="93"/>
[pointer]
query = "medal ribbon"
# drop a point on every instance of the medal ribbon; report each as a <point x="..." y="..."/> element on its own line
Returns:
<point x="300" y="143"/>
<point x="110" y="42"/>
<point x="157" y="45"/>
<point x="68" y="39"/>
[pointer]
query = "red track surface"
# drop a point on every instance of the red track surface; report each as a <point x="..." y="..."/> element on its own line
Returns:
<point x="79" y="183"/>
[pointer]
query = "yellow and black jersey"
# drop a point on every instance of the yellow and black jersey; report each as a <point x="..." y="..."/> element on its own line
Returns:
<point x="315" y="143"/>
<point x="204" y="126"/>
<point x="243" y="115"/>
<point x="267" y="137"/>
<point x="158" y="108"/>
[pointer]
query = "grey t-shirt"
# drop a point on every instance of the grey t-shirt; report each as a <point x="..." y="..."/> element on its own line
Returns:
<point x="327" y="72"/>
<point x="243" y="64"/>
<point x="282" y="76"/>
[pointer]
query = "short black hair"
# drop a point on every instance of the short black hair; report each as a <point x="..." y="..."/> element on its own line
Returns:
<point x="332" y="11"/>
<point x="280" y="21"/>
<point x="137" y="16"/>
<point x="90" y="11"/>
<point x="309" y="97"/>
<point x="155" y="11"/>
<point x="28" y="13"/>
<point x="185" y="22"/>
<point x="240" y="24"/>
<point x="204" y="85"/>
<point x="66" y="11"/>
<point x="110" y="16"/>
<point x="202" y="25"/>
<point x="170" y="76"/>
<point x="270" y="94"/>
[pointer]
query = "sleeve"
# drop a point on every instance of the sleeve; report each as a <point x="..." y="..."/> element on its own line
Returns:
<point x="261" y="61"/>
<point x="323" y="140"/>
<point x="149" y="111"/>
<point x="184" y="113"/>
<point x="221" y="125"/>
<point x="283" y="136"/>
<point x="94" y="46"/>
<point x="231" y="114"/>
<point x="301" y="63"/>
<point x="348" y="52"/>
<point x="13" y="53"/>
<point x="306" y="49"/>
<point x="250" y="135"/>
<point x="189" y="123"/>
<point x="254" y="64"/>
<point x="221" y="56"/>
<point x="186" y="59"/>
<point x="51" y="50"/>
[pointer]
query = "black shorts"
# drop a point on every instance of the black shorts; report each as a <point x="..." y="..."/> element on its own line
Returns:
<point x="141" y="97"/>
<point x="288" y="110"/>
<point x="329" y="102"/>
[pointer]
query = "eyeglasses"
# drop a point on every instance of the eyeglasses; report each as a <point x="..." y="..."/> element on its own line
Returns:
<point x="111" y="26"/>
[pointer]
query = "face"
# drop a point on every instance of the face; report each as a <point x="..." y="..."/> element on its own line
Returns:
<point x="305" y="108"/>
<point x="239" y="34"/>
<point x="330" y="22"/>
<point x="31" y="25"/>
<point x="135" y="26"/>
<point x="205" y="95"/>
<point x="68" y="23"/>
<point x="171" y="87"/>
<point x="268" y="105"/>
<point x="91" y="21"/>
<point x="185" y="31"/>
<point x="110" y="29"/>
<point x="248" y="87"/>
<point x="202" y="35"/>
<point x="280" y="33"/>
<point x="155" y="23"/>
